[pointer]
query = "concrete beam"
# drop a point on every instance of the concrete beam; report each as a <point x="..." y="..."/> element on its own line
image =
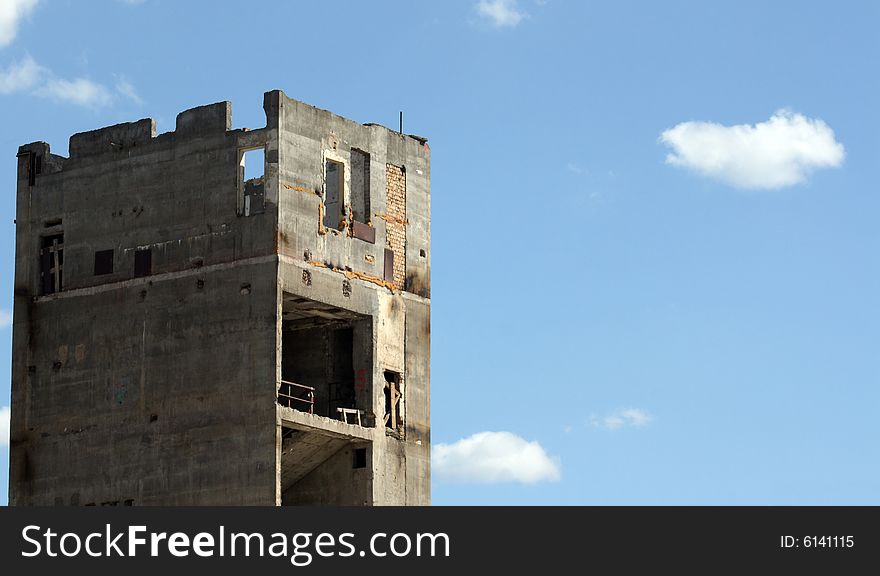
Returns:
<point x="327" y="426"/>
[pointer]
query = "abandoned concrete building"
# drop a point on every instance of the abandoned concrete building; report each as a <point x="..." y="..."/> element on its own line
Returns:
<point x="186" y="332"/>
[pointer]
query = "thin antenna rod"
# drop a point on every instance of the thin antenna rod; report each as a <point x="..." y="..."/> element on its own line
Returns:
<point x="401" y="122"/>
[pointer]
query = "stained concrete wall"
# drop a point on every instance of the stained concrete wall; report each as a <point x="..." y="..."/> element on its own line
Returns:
<point x="155" y="390"/>
<point x="164" y="403"/>
<point x="308" y="136"/>
<point x="417" y="393"/>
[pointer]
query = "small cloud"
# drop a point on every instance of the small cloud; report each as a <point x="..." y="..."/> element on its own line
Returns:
<point x="574" y="168"/>
<point x="125" y="88"/>
<point x="78" y="91"/>
<point x="501" y="13"/>
<point x="29" y="76"/>
<point x="5" y="319"/>
<point x="21" y="76"/>
<point x="494" y="457"/>
<point x="11" y="12"/>
<point x="632" y="417"/>
<point x="783" y="151"/>
<point x="4" y="426"/>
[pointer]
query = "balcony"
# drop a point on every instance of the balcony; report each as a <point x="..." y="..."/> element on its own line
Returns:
<point x="297" y="396"/>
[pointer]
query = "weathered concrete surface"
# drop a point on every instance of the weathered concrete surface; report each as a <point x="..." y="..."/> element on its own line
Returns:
<point x="310" y="423"/>
<point x="161" y="387"/>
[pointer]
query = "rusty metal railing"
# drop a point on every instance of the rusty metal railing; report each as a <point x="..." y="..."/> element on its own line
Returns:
<point x="297" y="396"/>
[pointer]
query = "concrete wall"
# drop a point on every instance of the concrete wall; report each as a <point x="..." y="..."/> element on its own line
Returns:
<point x="417" y="394"/>
<point x="399" y="173"/>
<point x="148" y="390"/>
<point x="307" y="137"/>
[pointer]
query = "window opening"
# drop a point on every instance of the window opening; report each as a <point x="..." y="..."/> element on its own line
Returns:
<point x="393" y="417"/>
<point x="51" y="263"/>
<point x="103" y="262"/>
<point x="143" y="263"/>
<point x="333" y="195"/>
<point x="251" y="170"/>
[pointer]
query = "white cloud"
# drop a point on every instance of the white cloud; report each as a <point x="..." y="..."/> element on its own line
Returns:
<point x="125" y="88"/>
<point x="11" y="12"/>
<point x="28" y="75"/>
<point x="21" y="76"/>
<point x="5" y="319"/>
<point x="4" y="426"/>
<point x="634" y="417"/>
<point x="501" y="13"/>
<point x="77" y="91"/>
<point x="494" y="457"/>
<point x="782" y="151"/>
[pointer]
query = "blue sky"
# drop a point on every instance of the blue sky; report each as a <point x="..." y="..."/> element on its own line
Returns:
<point x="655" y="272"/>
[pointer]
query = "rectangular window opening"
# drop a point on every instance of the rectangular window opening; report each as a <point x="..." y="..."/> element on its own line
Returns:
<point x="254" y="162"/>
<point x="334" y="203"/>
<point x="359" y="459"/>
<point x="360" y="185"/>
<point x="51" y="263"/>
<point x="252" y="168"/>
<point x="143" y="263"/>
<point x="393" y="416"/>
<point x="103" y="262"/>
<point x="388" y="268"/>
<point x="32" y="168"/>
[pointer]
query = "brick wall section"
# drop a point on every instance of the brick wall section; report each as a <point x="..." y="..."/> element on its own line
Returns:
<point x="395" y="237"/>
